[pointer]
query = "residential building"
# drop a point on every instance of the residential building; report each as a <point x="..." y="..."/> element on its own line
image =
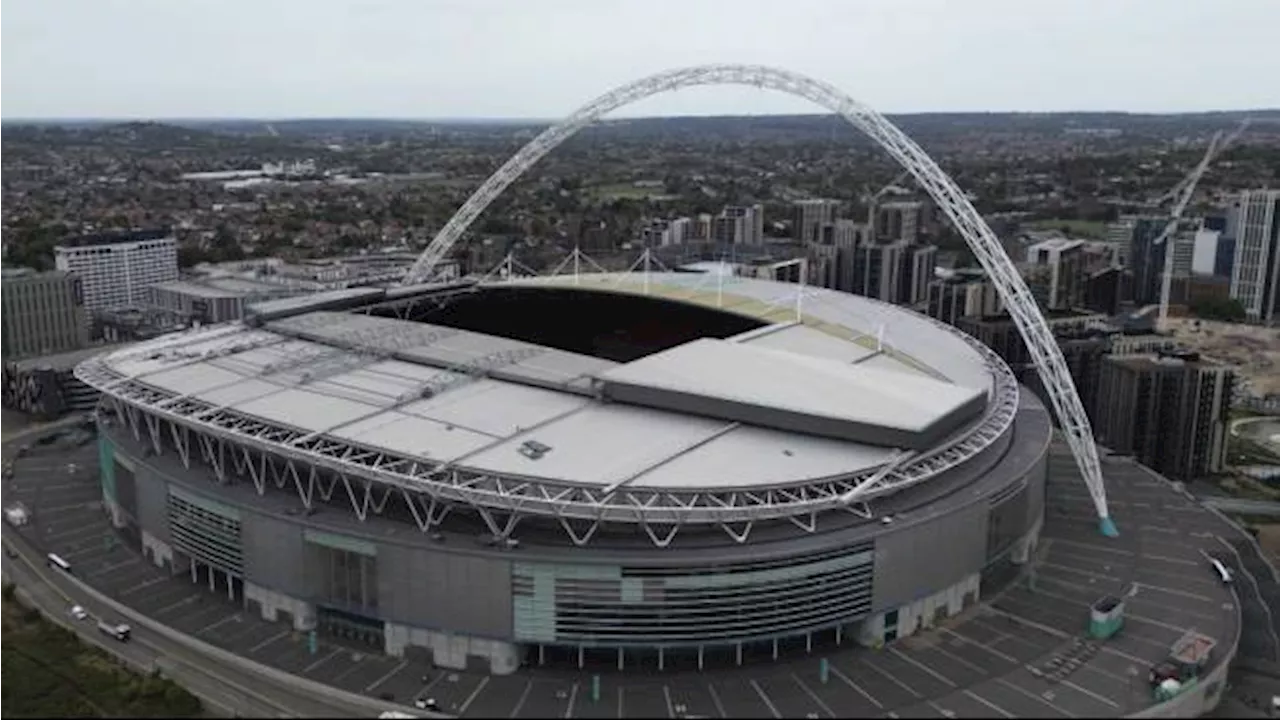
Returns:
<point x="962" y="295"/>
<point x="116" y="270"/>
<point x="1147" y="259"/>
<point x="739" y="225"/>
<point x="1255" y="274"/>
<point x="810" y="215"/>
<point x="43" y="313"/>
<point x="1169" y="410"/>
<point x="1058" y="275"/>
<point x="899" y="220"/>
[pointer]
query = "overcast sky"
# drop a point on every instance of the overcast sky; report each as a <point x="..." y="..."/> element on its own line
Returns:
<point x="543" y="58"/>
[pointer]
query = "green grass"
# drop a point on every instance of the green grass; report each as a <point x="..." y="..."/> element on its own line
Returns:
<point x="1074" y="228"/>
<point x="48" y="672"/>
<point x="622" y="191"/>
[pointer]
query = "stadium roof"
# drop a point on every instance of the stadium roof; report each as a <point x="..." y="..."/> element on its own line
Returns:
<point x="784" y="404"/>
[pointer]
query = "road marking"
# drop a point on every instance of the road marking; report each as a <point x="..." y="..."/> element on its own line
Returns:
<point x="715" y="698"/>
<point x="144" y="585"/>
<point x="825" y="708"/>
<point x="471" y="698"/>
<point x="986" y="702"/>
<point x="1128" y="614"/>
<point x="320" y="662"/>
<point x="1034" y="696"/>
<point x="972" y="666"/>
<point x="1089" y="693"/>
<point x="236" y="617"/>
<point x="903" y="656"/>
<point x="111" y="568"/>
<point x="268" y="641"/>
<point x="175" y="605"/>
<point x="940" y="710"/>
<point x="573" y="695"/>
<point x="890" y="676"/>
<point x="355" y="665"/>
<point x="620" y="693"/>
<point x="768" y="703"/>
<point x="847" y="681"/>
<point x="515" y="711"/>
<point x="666" y="694"/>
<point x="1029" y="623"/>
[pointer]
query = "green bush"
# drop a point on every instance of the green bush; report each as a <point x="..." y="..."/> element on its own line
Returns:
<point x="48" y="672"/>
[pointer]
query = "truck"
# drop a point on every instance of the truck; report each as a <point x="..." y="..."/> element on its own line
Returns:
<point x="119" y="631"/>
<point x="1187" y="660"/>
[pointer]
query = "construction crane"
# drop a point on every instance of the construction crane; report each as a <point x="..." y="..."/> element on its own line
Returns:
<point x="1188" y="188"/>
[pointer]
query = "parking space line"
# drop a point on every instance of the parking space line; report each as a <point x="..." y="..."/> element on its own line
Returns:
<point x="984" y="646"/>
<point x="1089" y="693"/>
<point x="374" y="685"/>
<point x="267" y="642"/>
<point x="142" y="586"/>
<point x="768" y="703"/>
<point x="666" y="694"/>
<point x="515" y="711"/>
<point x="218" y="623"/>
<point x="474" y="693"/>
<point x="1029" y="623"/>
<point x="891" y="678"/>
<point x="1136" y="596"/>
<point x="1128" y="615"/>
<point x="940" y="710"/>
<point x="320" y="662"/>
<point x="1033" y="696"/>
<point x="111" y="568"/>
<point x="177" y="604"/>
<point x="974" y="696"/>
<point x="903" y="656"/>
<point x="426" y="687"/>
<point x="715" y="698"/>
<point x="956" y="658"/>
<point x="573" y="696"/>
<point x="355" y="665"/>
<point x="809" y="691"/>
<point x="848" y="681"/>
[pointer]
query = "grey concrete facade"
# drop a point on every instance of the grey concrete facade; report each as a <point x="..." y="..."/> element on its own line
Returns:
<point x="465" y="603"/>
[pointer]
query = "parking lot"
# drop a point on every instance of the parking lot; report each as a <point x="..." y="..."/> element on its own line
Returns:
<point x="982" y="664"/>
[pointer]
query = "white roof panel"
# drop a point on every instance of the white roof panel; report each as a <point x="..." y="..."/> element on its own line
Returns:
<point x="761" y="457"/>
<point x="247" y="389"/>
<point x="413" y="435"/>
<point x="791" y="382"/>
<point x="193" y="379"/>
<point x="808" y="341"/>
<point x="602" y="444"/>
<point x="305" y="410"/>
<point x="496" y="408"/>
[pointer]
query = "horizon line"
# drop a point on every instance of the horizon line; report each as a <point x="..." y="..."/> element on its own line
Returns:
<point x="544" y="120"/>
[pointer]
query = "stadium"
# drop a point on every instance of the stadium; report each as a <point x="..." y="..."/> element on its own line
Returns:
<point x="635" y="468"/>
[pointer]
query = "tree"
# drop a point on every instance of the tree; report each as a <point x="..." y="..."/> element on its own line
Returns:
<point x="1224" y="309"/>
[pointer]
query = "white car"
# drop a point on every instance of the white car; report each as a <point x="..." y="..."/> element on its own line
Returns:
<point x="79" y="613"/>
<point x="425" y="703"/>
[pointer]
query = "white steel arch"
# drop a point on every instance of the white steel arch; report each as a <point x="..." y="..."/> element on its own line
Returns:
<point x="949" y="197"/>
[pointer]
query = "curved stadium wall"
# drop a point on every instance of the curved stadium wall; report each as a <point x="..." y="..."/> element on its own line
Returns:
<point x="467" y="602"/>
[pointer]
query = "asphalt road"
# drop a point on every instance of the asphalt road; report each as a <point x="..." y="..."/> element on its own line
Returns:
<point x="225" y="686"/>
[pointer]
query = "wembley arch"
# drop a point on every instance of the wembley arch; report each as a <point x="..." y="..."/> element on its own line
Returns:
<point x="942" y="189"/>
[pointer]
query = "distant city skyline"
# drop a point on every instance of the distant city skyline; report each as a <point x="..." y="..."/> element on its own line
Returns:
<point x="514" y="59"/>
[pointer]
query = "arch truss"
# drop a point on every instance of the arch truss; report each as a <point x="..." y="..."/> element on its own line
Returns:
<point x="942" y="189"/>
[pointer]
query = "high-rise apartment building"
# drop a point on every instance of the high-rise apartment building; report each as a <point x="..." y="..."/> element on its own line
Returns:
<point x="899" y="220"/>
<point x="1147" y="259"/>
<point x="115" y="270"/>
<point x="43" y="314"/>
<point x="965" y="295"/>
<point x="1057" y="273"/>
<point x="1167" y="409"/>
<point x="810" y="216"/>
<point x="1255" y="272"/>
<point x="739" y="225"/>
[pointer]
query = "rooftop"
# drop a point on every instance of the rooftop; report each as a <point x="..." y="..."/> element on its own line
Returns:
<point x="115" y="238"/>
<point x="851" y="387"/>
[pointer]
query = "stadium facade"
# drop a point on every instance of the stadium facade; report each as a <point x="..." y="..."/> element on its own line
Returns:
<point x="656" y="467"/>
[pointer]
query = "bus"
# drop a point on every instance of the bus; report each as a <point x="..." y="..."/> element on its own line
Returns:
<point x="58" y="563"/>
<point x="1223" y="573"/>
